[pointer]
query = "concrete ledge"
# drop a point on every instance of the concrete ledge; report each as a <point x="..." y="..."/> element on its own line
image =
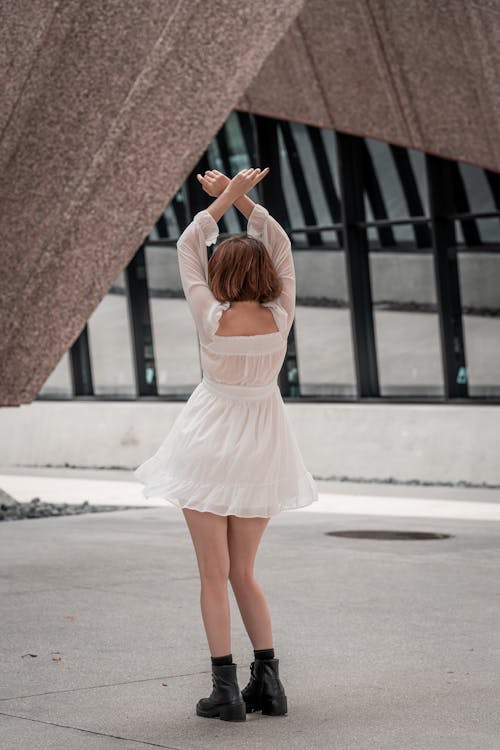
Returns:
<point x="404" y="442"/>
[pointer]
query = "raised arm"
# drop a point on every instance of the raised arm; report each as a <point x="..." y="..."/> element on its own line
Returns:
<point x="193" y="267"/>
<point x="203" y="231"/>
<point x="264" y="227"/>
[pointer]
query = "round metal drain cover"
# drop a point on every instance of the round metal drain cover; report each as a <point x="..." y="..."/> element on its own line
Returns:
<point x="378" y="534"/>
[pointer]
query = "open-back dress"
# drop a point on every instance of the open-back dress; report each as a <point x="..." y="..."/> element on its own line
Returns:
<point x="232" y="450"/>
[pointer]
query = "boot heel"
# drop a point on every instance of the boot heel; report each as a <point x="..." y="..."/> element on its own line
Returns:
<point x="234" y="711"/>
<point x="275" y="706"/>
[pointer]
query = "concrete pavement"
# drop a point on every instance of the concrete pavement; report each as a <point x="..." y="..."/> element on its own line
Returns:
<point x="382" y="644"/>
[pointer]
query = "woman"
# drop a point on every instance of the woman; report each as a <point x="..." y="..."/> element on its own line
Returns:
<point x="231" y="460"/>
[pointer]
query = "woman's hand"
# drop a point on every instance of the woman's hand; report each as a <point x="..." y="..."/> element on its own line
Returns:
<point x="230" y="192"/>
<point x="244" y="181"/>
<point x="213" y="182"/>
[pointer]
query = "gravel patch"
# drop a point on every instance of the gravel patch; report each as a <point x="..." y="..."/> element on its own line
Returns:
<point x="13" y="510"/>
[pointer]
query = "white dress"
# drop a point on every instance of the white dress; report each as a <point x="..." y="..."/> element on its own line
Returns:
<point x="231" y="450"/>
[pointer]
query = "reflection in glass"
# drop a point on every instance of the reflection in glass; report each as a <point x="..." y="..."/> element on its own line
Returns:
<point x="480" y="292"/>
<point x="324" y="351"/>
<point x="58" y="384"/>
<point x="482" y="349"/>
<point x="406" y="324"/>
<point x="322" y="325"/>
<point x="408" y="353"/>
<point x="290" y="191"/>
<point x="175" y="341"/>
<point x="313" y="184"/>
<point x="393" y="194"/>
<point x="110" y="344"/>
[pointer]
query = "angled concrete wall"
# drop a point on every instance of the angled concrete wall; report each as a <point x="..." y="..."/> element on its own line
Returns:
<point x="110" y="107"/>
<point x="420" y="74"/>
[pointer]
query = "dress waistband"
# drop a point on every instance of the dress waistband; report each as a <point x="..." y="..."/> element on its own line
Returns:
<point x="241" y="391"/>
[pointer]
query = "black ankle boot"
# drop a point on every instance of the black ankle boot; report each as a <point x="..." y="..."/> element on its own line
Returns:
<point x="265" y="691"/>
<point x="226" y="700"/>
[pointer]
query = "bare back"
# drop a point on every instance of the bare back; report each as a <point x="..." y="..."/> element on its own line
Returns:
<point x="240" y="322"/>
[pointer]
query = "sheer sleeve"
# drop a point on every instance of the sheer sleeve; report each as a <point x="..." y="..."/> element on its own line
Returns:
<point x="193" y="267"/>
<point x="264" y="227"/>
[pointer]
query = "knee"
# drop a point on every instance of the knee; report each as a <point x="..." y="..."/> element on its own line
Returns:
<point x="241" y="577"/>
<point x="214" y="577"/>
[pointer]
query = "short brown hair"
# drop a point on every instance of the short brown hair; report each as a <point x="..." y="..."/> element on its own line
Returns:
<point x="240" y="268"/>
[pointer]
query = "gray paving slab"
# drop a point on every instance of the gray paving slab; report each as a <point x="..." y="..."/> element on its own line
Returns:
<point x="18" y="732"/>
<point x="382" y="644"/>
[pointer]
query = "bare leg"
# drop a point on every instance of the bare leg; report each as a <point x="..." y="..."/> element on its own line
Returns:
<point x="209" y="534"/>
<point x="244" y="535"/>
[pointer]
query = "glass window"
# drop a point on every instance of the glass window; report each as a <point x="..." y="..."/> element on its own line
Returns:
<point x="322" y="325"/>
<point x="238" y="155"/>
<point x="388" y="179"/>
<point x="477" y="189"/>
<point x="110" y="344"/>
<point x="408" y="353"/>
<point x="59" y="383"/>
<point x="328" y="137"/>
<point x="480" y="293"/>
<point x="394" y="194"/>
<point x="175" y="341"/>
<point x="312" y="178"/>
<point x="402" y="277"/>
<point x="290" y="191"/>
<point x="170" y="221"/>
<point x="238" y="158"/>
<point x="406" y="324"/>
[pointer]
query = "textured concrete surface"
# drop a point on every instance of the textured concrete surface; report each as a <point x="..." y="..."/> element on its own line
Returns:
<point x="111" y="106"/>
<point x="406" y="73"/>
<point x="377" y="441"/>
<point x="99" y="101"/>
<point x="382" y="644"/>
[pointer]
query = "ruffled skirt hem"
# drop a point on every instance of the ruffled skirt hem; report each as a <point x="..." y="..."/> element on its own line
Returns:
<point x="263" y="501"/>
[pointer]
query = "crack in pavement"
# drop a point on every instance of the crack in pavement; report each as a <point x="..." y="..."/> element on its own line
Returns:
<point x="90" y="731"/>
<point x="109" y="684"/>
